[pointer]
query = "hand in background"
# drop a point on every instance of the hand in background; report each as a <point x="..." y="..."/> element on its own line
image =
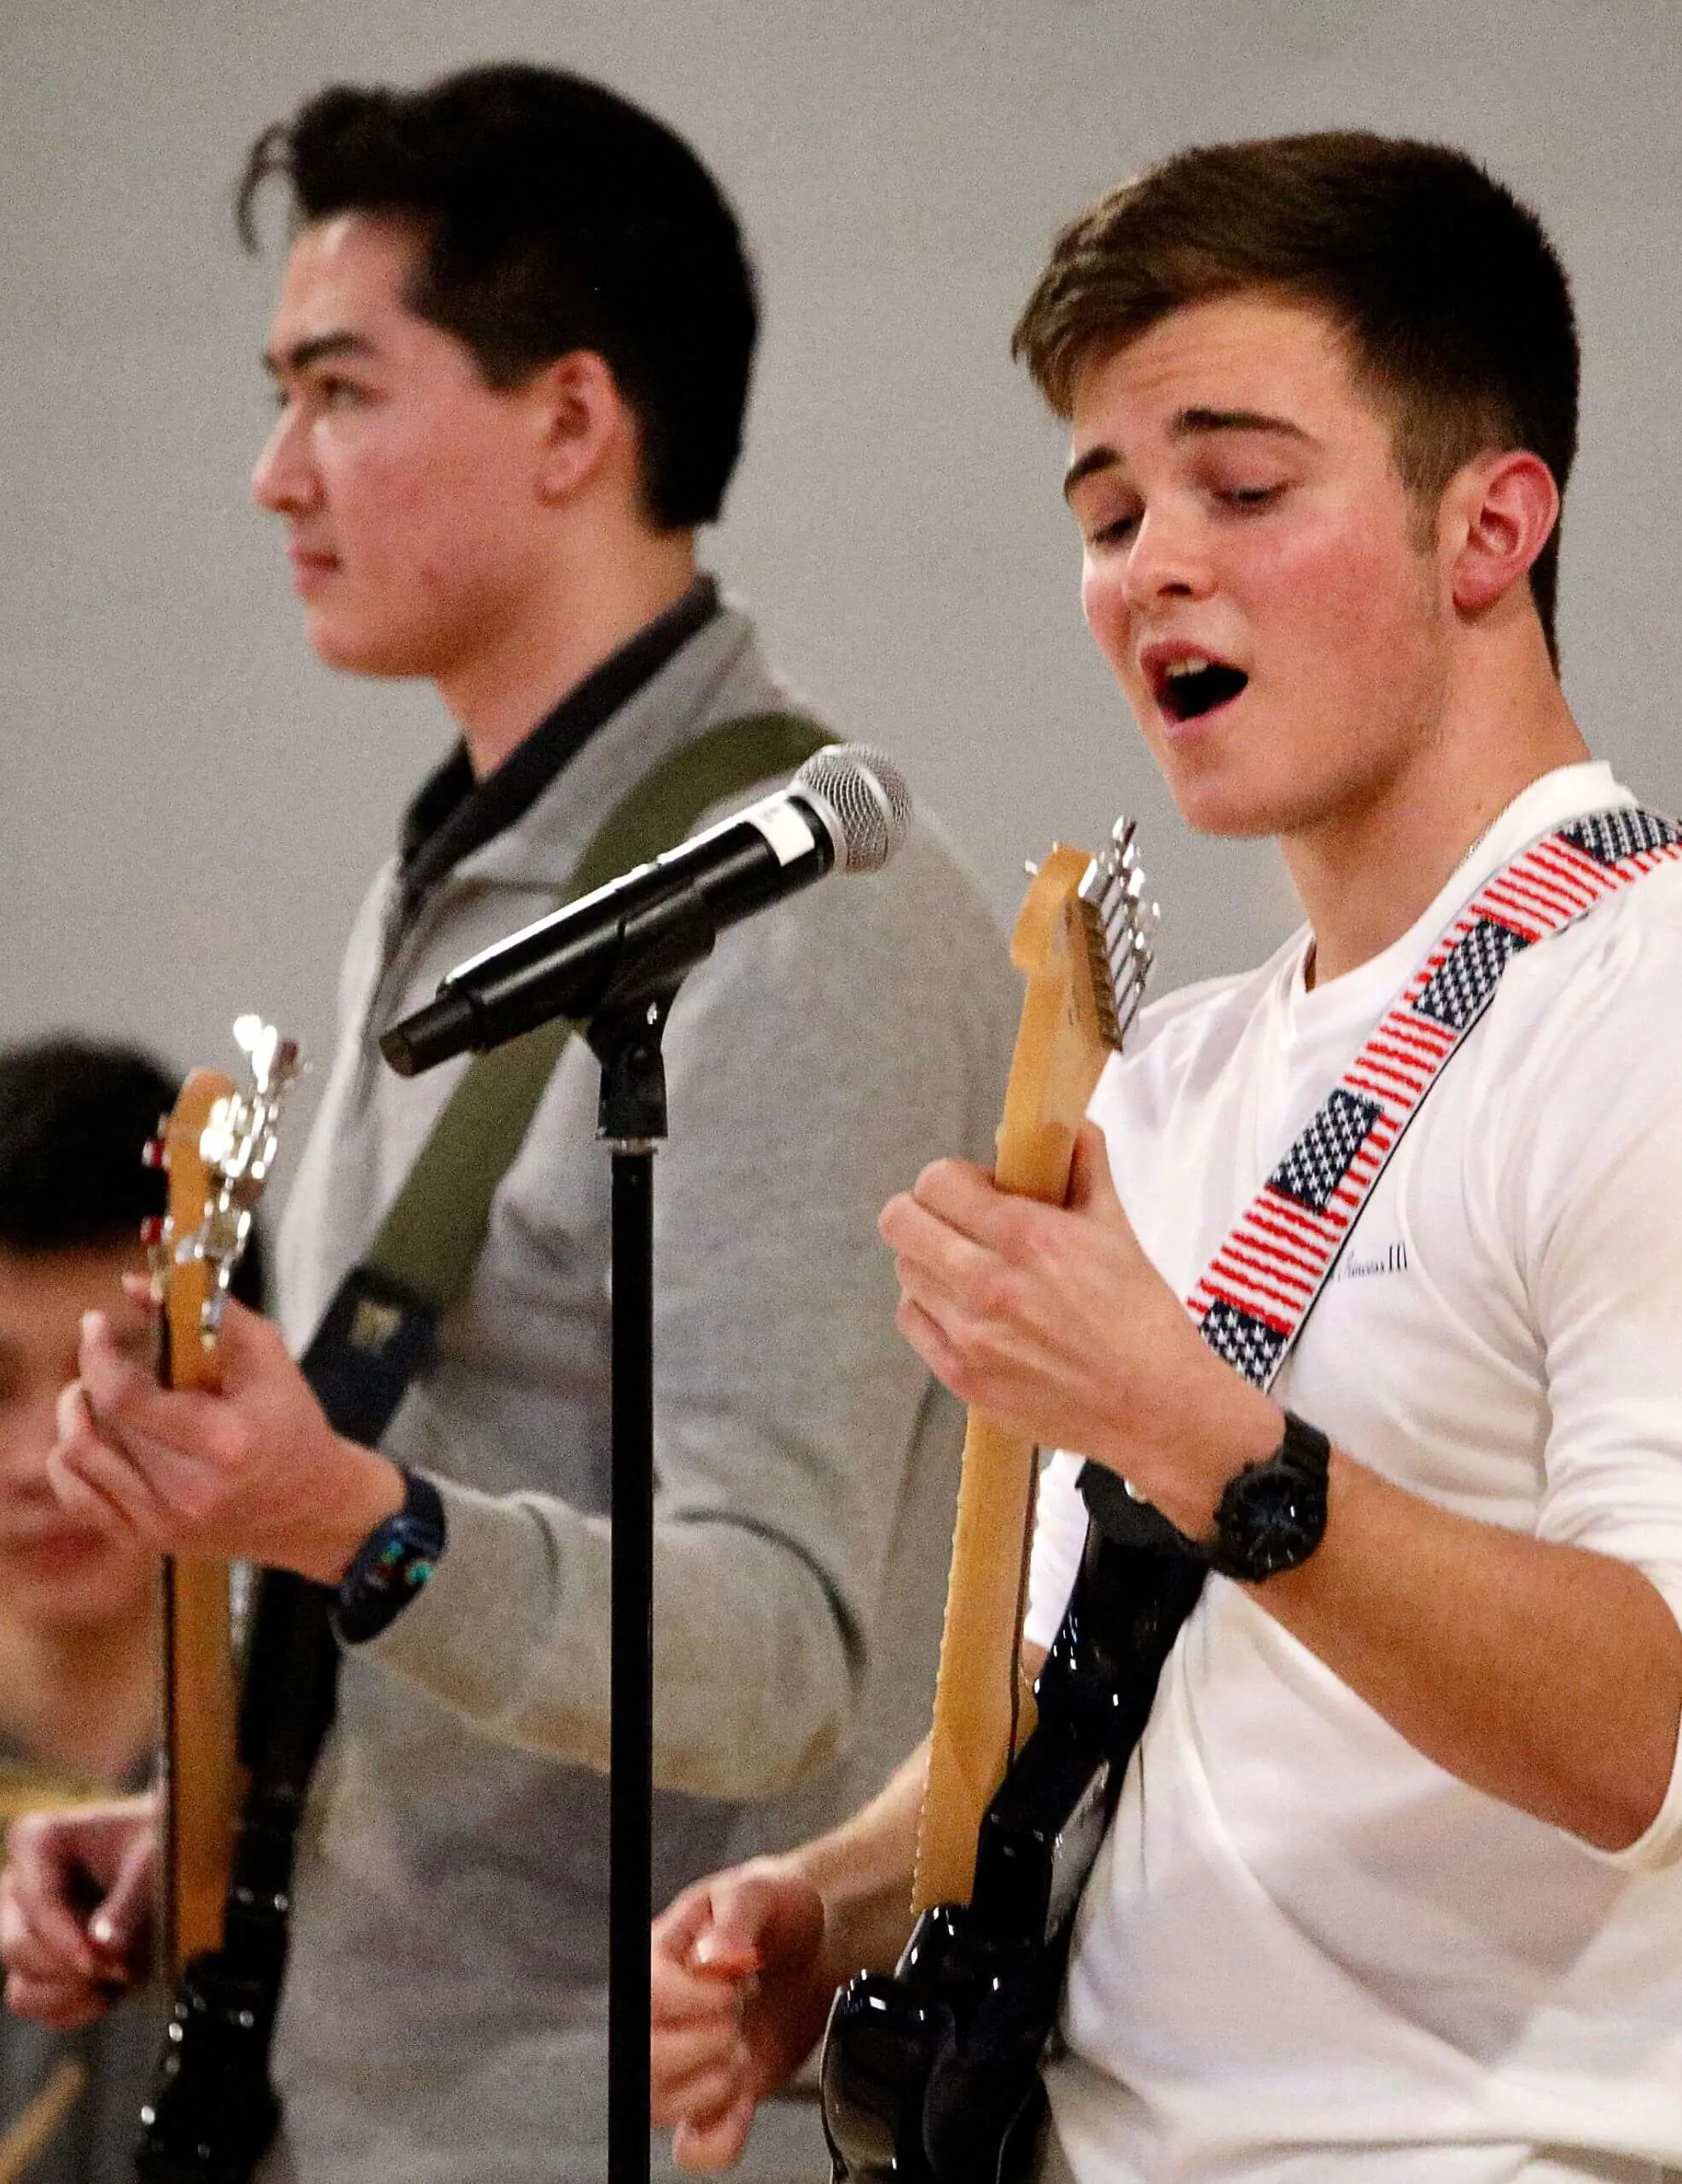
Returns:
<point x="739" y="1995"/>
<point x="76" y="1909"/>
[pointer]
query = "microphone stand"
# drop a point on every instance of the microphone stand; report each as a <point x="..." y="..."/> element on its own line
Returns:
<point x="625" y="1035"/>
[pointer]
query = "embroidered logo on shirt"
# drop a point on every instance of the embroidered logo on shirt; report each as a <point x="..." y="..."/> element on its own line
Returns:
<point x="1391" y="1259"/>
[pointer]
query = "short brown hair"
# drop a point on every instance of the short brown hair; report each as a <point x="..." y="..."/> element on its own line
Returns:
<point x="1453" y="303"/>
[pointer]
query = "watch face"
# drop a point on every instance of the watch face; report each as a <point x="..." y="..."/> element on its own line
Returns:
<point x="1272" y="1518"/>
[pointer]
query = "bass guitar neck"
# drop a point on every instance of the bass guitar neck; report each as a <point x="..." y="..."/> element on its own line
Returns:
<point x="217" y="1145"/>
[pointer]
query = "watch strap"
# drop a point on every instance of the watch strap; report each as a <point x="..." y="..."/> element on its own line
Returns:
<point x="1271" y="1515"/>
<point x="393" y="1563"/>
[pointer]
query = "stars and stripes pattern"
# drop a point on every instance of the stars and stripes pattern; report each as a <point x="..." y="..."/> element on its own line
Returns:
<point x="1257" y="1288"/>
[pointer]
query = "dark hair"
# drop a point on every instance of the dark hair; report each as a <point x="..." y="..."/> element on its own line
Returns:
<point x="552" y="215"/>
<point x="75" y="1115"/>
<point x="1454" y="304"/>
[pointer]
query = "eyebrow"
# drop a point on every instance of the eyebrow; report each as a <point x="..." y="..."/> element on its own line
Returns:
<point x="302" y="354"/>
<point x="1187" y="425"/>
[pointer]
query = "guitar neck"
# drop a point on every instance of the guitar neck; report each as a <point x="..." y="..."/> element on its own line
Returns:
<point x="983" y="1711"/>
<point x="198" y="1768"/>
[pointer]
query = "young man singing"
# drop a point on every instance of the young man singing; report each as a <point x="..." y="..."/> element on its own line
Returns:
<point x="1392" y="1891"/>
<point x="511" y="353"/>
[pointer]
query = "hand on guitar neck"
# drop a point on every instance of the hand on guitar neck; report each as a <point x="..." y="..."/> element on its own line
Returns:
<point x="231" y="1457"/>
<point x="254" y="1470"/>
<point x="1052" y="1320"/>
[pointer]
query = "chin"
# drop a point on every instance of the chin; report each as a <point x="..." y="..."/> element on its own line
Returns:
<point x="1228" y="808"/>
<point x="363" y="652"/>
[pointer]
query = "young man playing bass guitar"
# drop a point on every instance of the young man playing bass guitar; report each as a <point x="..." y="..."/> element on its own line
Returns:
<point x="511" y="353"/>
<point x="1392" y="1890"/>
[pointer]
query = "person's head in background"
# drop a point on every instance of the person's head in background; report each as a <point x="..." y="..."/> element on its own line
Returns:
<point x="78" y="1606"/>
<point x="512" y="350"/>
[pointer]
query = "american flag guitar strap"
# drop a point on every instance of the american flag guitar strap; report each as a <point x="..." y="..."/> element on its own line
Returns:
<point x="1261" y="1284"/>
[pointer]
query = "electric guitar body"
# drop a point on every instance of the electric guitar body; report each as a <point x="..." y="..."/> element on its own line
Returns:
<point x="930" y="2075"/>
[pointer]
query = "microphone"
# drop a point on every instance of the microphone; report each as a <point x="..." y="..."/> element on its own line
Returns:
<point x="847" y="810"/>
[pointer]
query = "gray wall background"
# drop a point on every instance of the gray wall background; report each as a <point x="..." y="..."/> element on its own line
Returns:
<point x="191" y="805"/>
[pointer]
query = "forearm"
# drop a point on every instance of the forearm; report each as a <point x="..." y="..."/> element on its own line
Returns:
<point x="864" y="1870"/>
<point x="752" y="1684"/>
<point x="1546" y="1676"/>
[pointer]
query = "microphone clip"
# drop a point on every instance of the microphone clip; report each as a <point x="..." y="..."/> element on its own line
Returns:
<point x="660" y="945"/>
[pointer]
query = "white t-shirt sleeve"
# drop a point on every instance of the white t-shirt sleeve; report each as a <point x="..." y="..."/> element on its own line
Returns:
<point x="1059" y="1539"/>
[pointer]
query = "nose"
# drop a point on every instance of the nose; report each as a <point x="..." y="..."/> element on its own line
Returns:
<point x="1167" y="559"/>
<point x="284" y="480"/>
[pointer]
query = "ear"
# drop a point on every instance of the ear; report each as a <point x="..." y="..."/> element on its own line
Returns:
<point x="1497" y="513"/>
<point x="586" y="429"/>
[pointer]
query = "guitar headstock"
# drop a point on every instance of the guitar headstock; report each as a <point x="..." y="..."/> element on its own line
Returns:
<point x="1084" y="941"/>
<point x="1121" y="927"/>
<point x="218" y="1144"/>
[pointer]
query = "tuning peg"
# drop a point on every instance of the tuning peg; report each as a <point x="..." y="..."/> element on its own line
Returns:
<point x="154" y="1153"/>
<point x="151" y="1230"/>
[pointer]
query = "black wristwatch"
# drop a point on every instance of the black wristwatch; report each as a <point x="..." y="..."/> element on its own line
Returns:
<point x="1272" y="1516"/>
<point x="391" y="1564"/>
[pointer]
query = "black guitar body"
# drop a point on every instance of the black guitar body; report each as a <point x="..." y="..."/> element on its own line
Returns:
<point x="931" y="2075"/>
<point x="213" y="2110"/>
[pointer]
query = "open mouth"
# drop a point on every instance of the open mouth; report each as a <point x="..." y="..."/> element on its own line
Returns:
<point x="1188" y="688"/>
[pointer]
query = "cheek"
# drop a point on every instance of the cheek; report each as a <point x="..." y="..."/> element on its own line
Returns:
<point x="1103" y="602"/>
<point x="437" y="529"/>
<point x="1342" y="597"/>
<point x="28" y="1430"/>
<point x="378" y="502"/>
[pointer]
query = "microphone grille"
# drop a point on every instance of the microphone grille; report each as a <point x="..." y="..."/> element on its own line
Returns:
<point x="865" y="797"/>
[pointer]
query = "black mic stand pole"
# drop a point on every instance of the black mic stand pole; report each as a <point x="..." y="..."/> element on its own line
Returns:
<point x="625" y="1035"/>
